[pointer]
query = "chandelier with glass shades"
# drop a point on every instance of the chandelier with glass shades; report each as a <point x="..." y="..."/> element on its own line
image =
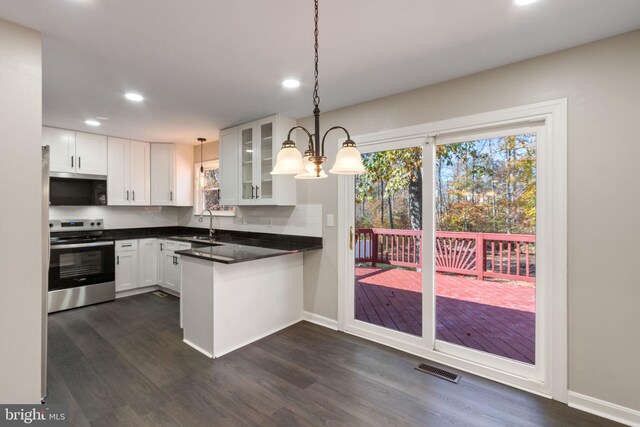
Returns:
<point x="291" y="162"/>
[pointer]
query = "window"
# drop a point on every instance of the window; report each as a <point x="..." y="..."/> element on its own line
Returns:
<point x="208" y="197"/>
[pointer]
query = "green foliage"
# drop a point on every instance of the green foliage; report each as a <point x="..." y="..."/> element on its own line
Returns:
<point x="481" y="186"/>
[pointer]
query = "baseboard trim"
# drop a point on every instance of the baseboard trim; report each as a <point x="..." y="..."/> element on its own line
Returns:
<point x="136" y="291"/>
<point x="201" y="350"/>
<point x="604" y="409"/>
<point x="320" y="320"/>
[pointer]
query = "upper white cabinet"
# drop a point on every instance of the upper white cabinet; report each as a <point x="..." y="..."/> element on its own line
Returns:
<point x="129" y="173"/>
<point x="76" y="152"/>
<point x="171" y="175"/>
<point x="249" y="166"/>
<point x="228" y="153"/>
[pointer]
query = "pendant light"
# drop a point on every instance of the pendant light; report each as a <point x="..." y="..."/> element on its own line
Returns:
<point x="291" y="162"/>
<point x="201" y="179"/>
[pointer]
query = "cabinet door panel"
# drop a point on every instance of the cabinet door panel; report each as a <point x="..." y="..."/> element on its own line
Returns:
<point x="139" y="172"/>
<point x="172" y="271"/>
<point x="228" y="153"/>
<point x="247" y="157"/>
<point x="163" y="174"/>
<point x="118" y="191"/>
<point x="264" y="179"/>
<point x="63" y="149"/>
<point x="162" y="246"/>
<point x="148" y="257"/>
<point x="126" y="270"/>
<point x="91" y="153"/>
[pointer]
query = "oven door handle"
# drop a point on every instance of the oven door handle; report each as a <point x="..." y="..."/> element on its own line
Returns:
<point x="81" y="245"/>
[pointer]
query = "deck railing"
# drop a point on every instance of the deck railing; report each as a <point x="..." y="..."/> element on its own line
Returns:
<point x="494" y="255"/>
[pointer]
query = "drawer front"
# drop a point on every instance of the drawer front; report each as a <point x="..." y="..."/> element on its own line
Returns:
<point x="126" y="245"/>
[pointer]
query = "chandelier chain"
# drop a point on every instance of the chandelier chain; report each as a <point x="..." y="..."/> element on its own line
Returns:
<point x="316" y="97"/>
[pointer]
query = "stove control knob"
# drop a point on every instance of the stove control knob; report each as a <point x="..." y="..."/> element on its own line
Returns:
<point x="93" y="223"/>
<point x="98" y="224"/>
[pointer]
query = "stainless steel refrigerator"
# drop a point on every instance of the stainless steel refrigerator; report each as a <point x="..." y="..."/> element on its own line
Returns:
<point x="45" y="265"/>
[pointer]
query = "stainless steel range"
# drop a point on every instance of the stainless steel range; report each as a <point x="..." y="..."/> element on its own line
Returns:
<point x="82" y="266"/>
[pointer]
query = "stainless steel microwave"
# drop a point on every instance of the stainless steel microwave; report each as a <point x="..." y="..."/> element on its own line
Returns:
<point x="77" y="191"/>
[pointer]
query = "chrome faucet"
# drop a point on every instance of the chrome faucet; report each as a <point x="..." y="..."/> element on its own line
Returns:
<point x="211" y="230"/>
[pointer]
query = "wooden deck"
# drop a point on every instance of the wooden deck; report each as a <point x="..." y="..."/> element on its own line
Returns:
<point x="495" y="317"/>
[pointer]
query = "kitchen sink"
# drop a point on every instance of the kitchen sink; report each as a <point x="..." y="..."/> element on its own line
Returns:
<point x="200" y="238"/>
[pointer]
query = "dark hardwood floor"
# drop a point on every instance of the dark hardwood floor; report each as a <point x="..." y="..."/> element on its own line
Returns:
<point x="124" y="363"/>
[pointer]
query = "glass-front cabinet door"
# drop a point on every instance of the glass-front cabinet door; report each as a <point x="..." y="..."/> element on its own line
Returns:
<point x="247" y="156"/>
<point x="264" y="179"/>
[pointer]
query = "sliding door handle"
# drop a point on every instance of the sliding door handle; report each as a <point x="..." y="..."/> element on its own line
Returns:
<point x="350" y="238"/>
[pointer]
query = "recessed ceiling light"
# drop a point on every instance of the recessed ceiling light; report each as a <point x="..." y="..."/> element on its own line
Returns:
<point x="92" y="122"/>
<point x="102" y="118"/>
<point x="291" y="83"/>
<point x="523" y="2"/>
<point x="134" y="96"/>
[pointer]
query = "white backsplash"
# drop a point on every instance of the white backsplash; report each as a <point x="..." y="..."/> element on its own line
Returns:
<point x="120" y="216"/>
<point x="301" y="220"/>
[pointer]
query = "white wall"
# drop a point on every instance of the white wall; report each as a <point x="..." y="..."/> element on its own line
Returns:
<point x="120" y="216"/>
<point x="301" y="220"/>
<point x="20" y="214"/>
<point x="602" y="82"/>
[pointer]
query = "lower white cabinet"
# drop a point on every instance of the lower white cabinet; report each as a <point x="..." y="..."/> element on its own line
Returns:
<point x="170" y="264"/>
<point x="148" y="261"/>
<point x="126" y="265"/>
<point x="136" y="263"/>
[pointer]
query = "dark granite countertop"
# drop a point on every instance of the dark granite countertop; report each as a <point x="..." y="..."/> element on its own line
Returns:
<point x="229" y="246"/>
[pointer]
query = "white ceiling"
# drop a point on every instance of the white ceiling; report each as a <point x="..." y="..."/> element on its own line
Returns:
<point x="208" y="64"/>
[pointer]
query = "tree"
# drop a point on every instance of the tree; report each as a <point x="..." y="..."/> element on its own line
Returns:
<point x="389" y="172"/>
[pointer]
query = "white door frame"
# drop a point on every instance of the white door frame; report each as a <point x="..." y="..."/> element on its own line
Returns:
<point x="552" y="236"/>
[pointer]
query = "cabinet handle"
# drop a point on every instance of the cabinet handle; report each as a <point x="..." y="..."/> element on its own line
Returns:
<point x="252" y="190"/>
<point x="126" y="246"/>
<point x="161" y="246"/>
<point x="134" y="195"/>
<point x="257" y="188"/>
<point x="79" y="162"/>
<point x="171" y="196"/>
<point x="127" y="194"/>
<point x="71" y="161"/>
<point x="117" y="260"/>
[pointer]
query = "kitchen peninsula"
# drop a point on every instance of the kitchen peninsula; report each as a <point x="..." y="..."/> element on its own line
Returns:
<point x="236" y="291"/>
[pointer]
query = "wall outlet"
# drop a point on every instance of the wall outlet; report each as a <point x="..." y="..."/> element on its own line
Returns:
<point x="330" y="220"/>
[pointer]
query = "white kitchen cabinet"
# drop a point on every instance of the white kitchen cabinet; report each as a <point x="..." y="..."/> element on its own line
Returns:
<point x="148" y="262"/>
<point x="62" y="149"/>
<point x="171" y="175"/>
<point x="129" y="173"/>
<point x="257" y="146"/>
<point x="127" y="277"/>
<point x="76" y="152"/>
<point x="91" y="154"/>
<point x="228" y="153"/>
<point x="171" y="264"/>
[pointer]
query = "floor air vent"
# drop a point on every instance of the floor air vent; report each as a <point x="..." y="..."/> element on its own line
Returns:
<point x="160" y="294"/>
<point x="440" y="373"/>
